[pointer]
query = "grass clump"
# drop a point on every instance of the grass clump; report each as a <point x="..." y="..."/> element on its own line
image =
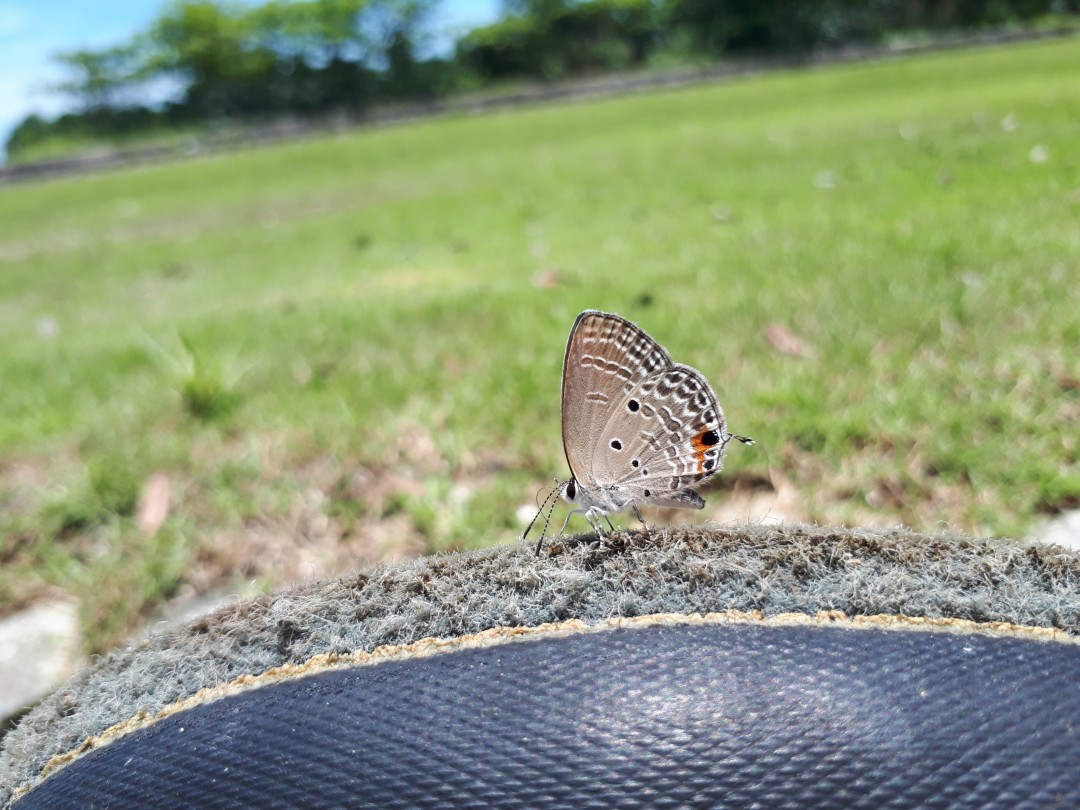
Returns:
<point x="132" y="576"/>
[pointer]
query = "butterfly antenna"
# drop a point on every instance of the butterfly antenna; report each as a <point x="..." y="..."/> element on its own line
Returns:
<point x="744" y="439"/>
<point x="547" y="520"/>
<point x="539" y="508"/>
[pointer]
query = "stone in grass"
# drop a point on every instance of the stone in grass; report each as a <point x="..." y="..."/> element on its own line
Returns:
<point x="39" y="647"/>
<point x="1064" y="530"/>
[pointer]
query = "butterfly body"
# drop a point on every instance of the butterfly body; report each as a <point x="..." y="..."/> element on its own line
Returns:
<point x="637" y="427"/>
<point x="596" y="496"/>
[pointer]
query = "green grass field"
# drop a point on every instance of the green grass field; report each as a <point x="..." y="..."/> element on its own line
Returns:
<point x="346" y="349"/>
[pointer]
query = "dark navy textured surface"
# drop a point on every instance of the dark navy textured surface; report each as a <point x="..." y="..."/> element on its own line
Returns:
<point x="726" y="716"/>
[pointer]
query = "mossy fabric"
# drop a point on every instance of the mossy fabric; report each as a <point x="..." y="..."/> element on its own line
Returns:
<point x="773" y="570"/>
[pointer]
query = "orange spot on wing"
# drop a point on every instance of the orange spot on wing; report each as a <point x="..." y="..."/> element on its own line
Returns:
<point x="702" y="444"/>
<point x="698" y="443"/>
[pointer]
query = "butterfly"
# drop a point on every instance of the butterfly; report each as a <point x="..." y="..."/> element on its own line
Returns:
<point x="637" y="427"/>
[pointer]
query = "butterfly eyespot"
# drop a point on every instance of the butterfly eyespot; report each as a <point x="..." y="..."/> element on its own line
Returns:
<point x="648" y="493"/>
<point x="633" y="405"/>
<point x="709" y="438"/>
<point x="635" y="463"/>
<point x="616" y="444"/>
<point x="644" y="472"/>
<point x="709" y="464"/>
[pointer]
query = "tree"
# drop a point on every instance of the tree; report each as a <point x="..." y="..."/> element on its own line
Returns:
<point x="537" y="10"/>
<point x="101" y="79"/>
<point x="553" y="38"/>
<point x="246" y="58"/>
<point x="203" y="45"/>
<point x="283" y="56"/>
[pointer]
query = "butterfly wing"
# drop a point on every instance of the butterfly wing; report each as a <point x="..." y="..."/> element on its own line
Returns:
<point x="665" y="436"/>
<point x="606" y="358"/>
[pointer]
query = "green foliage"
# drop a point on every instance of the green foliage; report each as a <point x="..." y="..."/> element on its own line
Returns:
<point x="124" y="585"/>
<point x="108" y="488"/>
<point x="238" y="61"/>
<point x="316" y="58"/>
<point x="71" y="513"/>
<point x="783" y="26"/>
<point x="30" y="132"/>
<point x="551" y="40"/>
<point x="72" y="133"/>
<point x="252" y="61"/>
<point x="793" y="26"/>
<point x="114" y="485"/>
<point x="206" y="388"/>
<point x="206" y="45"/>
<point x="102" y="79"/>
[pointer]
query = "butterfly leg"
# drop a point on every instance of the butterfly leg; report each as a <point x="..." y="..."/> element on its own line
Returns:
<point x="574" y="512"/>
<point x="637" y="513"/>
<point x="593" y="516"/>
<point x="609" y="523"/>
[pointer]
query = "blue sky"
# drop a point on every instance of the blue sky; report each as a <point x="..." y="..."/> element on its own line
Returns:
<point x="32" y="31"/>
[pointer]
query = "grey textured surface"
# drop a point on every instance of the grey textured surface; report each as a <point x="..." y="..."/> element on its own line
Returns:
<point x="771" y="569"/>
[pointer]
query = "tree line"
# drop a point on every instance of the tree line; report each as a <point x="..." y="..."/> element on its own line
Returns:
<point x="206" y="61"/>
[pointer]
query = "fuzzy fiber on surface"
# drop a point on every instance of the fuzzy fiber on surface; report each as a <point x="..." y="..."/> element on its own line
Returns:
<point x="786" y="569"/>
